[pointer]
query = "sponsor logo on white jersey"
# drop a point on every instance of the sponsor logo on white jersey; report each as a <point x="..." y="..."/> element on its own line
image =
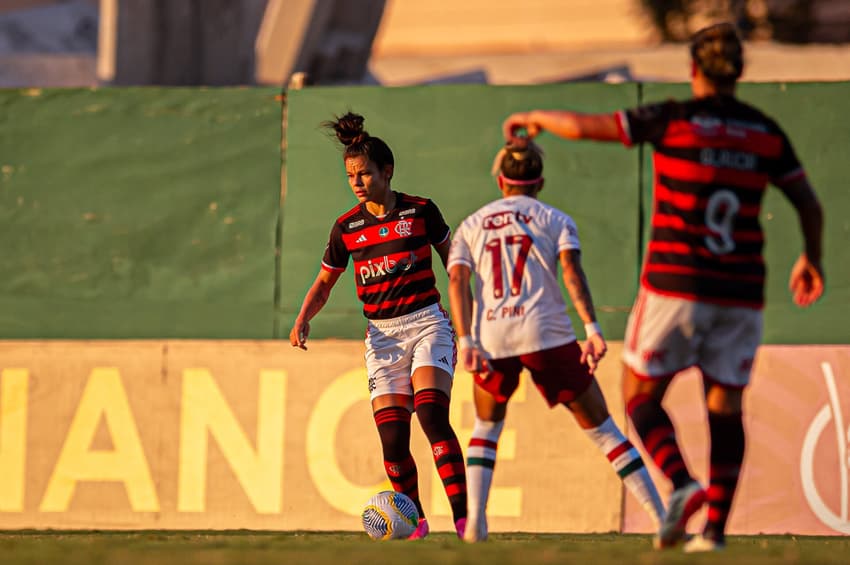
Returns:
<point x="501" y="219"/>
<point x="386" y="266"/>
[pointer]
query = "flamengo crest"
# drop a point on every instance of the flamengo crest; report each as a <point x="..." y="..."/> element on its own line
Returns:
<point x="404" y="228"/>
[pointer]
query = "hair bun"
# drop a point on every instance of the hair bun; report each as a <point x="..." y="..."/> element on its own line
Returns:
<point x="349" y="129"/>
<point x="519" y="161"/>
<point x="718" y="52"/>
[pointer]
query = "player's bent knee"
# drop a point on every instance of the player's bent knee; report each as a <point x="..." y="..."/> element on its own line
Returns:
<point x="724" y="400"/>
<point x="432" y="410"/>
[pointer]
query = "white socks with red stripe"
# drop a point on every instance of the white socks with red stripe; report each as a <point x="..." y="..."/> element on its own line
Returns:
<point x="627" y="462"/>
<point x="480" y="460"/>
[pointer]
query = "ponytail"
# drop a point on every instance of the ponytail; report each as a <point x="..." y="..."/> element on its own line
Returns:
<point x="349" y="131"/>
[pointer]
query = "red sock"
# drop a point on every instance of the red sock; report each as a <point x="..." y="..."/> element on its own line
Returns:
<point x="656" y="431"/>
<point x="727" y="455"/>
<point x="405" y="479"/>
<point x="394" y="428"/>
<point x="432" y="409"/>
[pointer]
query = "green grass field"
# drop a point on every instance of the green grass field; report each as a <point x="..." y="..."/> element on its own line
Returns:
<point x="319" y="548"/>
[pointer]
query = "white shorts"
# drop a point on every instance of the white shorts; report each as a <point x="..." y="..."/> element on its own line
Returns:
<point x="396" y="347"/>
<point x="666" y="335"/>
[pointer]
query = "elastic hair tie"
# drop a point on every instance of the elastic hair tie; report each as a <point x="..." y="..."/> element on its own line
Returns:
<point x="520" y="182"/>
<point x="496" y="169"/>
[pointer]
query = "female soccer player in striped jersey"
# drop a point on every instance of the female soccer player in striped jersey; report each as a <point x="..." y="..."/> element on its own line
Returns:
<point x="410" y="350"/>
<point x="517" y="319"/>
<point x="702" y="286"/>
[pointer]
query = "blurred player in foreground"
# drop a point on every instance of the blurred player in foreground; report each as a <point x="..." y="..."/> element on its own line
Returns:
<point x="702" y="286"/>
<point x="410" y="350"/>
<point x="517" y="319"/>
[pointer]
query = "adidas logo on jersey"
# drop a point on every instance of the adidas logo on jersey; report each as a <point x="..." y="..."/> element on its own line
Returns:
<point x="443" y="360"/>
<point x="361" y="239"/>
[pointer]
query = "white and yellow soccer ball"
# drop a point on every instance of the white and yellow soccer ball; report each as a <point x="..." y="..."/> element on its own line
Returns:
<point x="390" y="515"/>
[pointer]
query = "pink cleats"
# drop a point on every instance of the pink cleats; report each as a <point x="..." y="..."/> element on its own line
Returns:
<point x="421" y="531"/>
<point x="460" y="527"/>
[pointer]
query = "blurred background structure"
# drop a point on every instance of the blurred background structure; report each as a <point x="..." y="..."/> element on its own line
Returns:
<point x="47" y="43"/>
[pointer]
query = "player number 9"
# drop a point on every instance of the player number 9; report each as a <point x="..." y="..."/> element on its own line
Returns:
<point x="719" y="219"/>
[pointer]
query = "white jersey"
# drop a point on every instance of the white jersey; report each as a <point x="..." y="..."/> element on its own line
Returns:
<point x="512" y="246"/>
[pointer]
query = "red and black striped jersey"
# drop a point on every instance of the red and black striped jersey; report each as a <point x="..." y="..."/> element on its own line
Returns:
<point x="392" y="255"/>
<point x="713" y="159"/>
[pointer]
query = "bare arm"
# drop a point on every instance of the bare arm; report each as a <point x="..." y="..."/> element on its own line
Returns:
<point x="805" y="201"/>
<point x="443" y="250"/>
<point x="807" y="279"/>
<point x="563" y="123"/>
<point x="575" y="281"/>
<point x="460" y="299"/>
<point x="316" y="298"/>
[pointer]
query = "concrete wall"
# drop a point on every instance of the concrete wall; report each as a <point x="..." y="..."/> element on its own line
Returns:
<point x="449" y="27"/>
<point x="178" y="43"/>
<point x="330" y="41"/>
<point x="498" y="42"/>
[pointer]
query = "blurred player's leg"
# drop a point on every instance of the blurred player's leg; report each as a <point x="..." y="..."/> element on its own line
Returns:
<point x="656" y="431"/>
<point x="653" y="425"/>
<point x="726" y="360"/>
<point x="702" y="544"/>
<point x="726" y="429"/>
<point x="684" y="503"/>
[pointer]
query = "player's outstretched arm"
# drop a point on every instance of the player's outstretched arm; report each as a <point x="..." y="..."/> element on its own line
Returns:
<point x="807" y="280"/>
<point x="575" y="281"/>
<point x="316" y="298"/>
<point x="563" y="123"/>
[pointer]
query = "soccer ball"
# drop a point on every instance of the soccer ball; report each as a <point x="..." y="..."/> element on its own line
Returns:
<point x="390" y="515"/>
